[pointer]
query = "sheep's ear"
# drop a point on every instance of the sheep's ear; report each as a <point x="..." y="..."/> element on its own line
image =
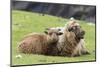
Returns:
<point x="45" y="32"/>
<point x="47" y="29"/>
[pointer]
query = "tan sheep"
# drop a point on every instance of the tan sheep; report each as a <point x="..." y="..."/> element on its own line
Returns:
<point x="71" y="43"/>
<point x="39" y="43"/>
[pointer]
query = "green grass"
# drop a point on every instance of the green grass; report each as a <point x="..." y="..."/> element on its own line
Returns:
<point x="26" y="22"/>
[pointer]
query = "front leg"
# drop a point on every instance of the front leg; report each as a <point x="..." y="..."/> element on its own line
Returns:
<point x="84" y="51"/>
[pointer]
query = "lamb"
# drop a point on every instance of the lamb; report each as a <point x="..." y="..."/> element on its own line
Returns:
<point x="40" y="43"/>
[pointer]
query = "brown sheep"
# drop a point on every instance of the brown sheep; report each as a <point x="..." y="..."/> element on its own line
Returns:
<point x="71" y="43"/>
<point x="37" y="43"/>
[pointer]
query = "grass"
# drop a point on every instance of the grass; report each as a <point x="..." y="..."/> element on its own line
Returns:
<point x="26" y="22"/>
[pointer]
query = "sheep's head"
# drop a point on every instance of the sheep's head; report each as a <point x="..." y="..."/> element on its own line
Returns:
<point x="52" y="34"/>
<point x="76" y="28"/>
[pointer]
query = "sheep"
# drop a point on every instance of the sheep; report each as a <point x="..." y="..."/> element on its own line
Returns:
<point x="71" y="43"/>
<point x="40" y="43"/>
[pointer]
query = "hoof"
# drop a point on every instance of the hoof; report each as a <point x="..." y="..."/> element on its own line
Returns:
<point x="84" y="53"/>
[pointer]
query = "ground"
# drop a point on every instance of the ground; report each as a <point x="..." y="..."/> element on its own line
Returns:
<point x="24" y="23"/>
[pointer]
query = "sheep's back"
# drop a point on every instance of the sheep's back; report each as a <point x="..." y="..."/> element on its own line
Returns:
<point x="34" y="43"/>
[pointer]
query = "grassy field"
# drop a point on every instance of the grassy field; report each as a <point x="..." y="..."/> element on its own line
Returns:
<point x="27" y="22"/>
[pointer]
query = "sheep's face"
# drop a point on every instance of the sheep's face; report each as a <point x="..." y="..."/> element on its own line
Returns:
<point x="53" y="35"/>
<point x="76" y="28"/>
<point x="73" y="26"/>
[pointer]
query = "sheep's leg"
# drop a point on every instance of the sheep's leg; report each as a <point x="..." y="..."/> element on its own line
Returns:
<point x="84" y="51"/>
<point x="76" y="53"/>
<point x="78" y="50"/>
<point x="83" y="47"/>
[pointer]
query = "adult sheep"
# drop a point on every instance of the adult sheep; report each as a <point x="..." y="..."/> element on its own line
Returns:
<point x="37" y="43"/>
<point x="71" y="43"/>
